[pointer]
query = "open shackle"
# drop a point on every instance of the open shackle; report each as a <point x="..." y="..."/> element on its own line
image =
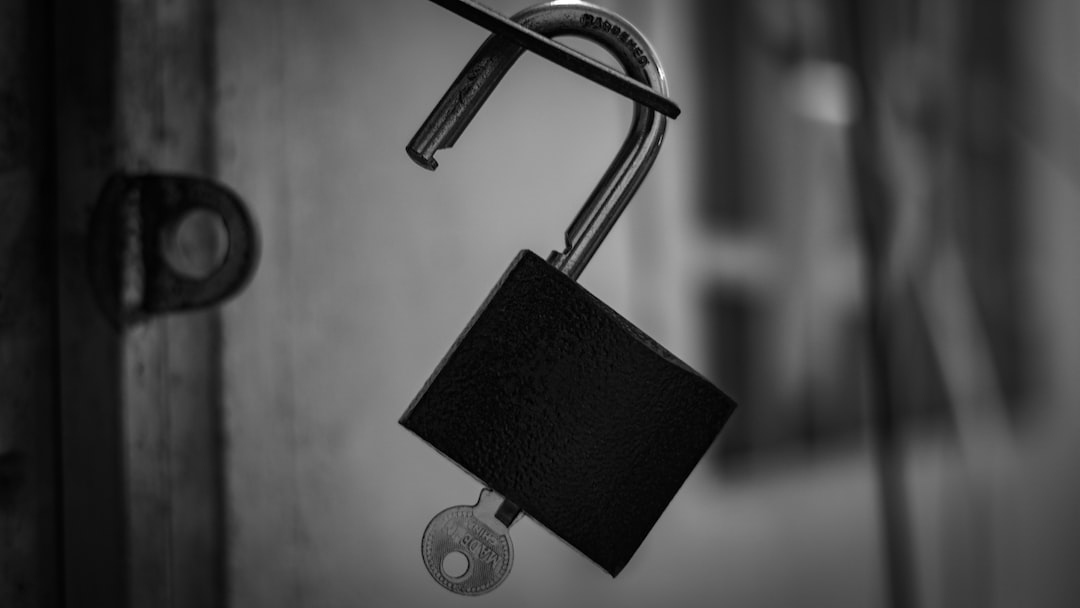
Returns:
<point x="635" y="157"/>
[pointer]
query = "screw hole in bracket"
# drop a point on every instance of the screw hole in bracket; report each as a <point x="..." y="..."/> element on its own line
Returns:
<point x="195" y="245"/>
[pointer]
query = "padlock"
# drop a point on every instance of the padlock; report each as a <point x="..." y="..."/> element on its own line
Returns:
<point x="549" y="397"/>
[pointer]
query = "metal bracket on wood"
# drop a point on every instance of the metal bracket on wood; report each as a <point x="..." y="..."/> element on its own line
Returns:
<point x="137" y="245"/>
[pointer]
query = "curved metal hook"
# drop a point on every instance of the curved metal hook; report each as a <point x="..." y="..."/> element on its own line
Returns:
<point x="635" y="157"/>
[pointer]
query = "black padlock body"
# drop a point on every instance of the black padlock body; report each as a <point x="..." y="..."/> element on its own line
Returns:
<point x="561" y="405"/>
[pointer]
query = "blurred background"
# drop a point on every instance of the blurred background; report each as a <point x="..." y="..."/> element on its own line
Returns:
<point x="861" y="228"/>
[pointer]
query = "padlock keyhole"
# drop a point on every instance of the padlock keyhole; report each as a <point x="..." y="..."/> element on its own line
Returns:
<point x="455" y="564"/>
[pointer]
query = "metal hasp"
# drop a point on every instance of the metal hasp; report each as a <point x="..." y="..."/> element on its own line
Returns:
<point x="635" y="157"/>
<point x="548" y="397"/>
<point x="134" y="225"/>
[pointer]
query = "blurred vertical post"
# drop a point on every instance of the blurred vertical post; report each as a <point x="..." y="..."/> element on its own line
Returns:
<point x="871" y="200"/>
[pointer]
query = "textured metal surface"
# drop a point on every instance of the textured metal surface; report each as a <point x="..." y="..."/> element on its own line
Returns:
<point x="560" y="54"/>
<point x="636" y="155"/>
<point x="562" y="406"/>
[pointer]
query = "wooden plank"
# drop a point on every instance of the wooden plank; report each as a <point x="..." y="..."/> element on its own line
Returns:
<point x="140" y="406"/>
<point x="169" y="366"/>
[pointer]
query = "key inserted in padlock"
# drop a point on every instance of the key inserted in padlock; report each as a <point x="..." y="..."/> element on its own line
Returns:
<point x="549" y="397"/>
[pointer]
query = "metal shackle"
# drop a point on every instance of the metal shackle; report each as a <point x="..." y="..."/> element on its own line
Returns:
<point x="636" y="155"/>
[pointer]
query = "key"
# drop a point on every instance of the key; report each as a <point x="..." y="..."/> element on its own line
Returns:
<point x="478" y="536"/>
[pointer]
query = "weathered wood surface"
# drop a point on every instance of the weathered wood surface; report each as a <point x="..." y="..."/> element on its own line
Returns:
<point x="140" y="407"/>
<point x="170" y="366"/>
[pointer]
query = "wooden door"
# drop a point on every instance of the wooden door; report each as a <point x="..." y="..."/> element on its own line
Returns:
<point x="139" y="428"/>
